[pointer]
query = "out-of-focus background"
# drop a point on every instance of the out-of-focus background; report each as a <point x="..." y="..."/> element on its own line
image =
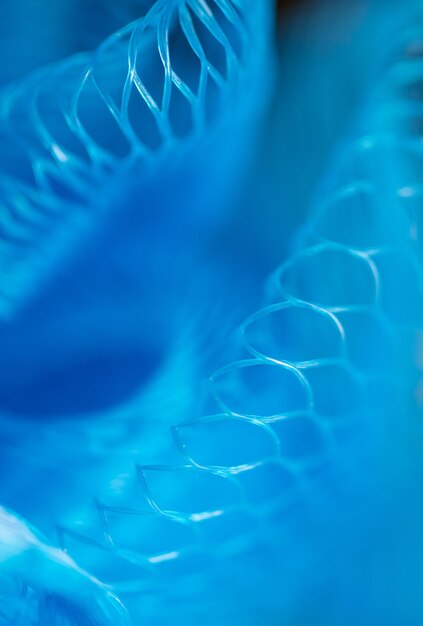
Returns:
<point x="104" y="326"/>
<point x="329" y="52"/>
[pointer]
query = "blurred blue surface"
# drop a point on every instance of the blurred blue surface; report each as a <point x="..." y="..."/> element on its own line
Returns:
<point x="284" y="488"/>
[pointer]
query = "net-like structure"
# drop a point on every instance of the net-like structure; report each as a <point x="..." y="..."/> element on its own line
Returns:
<point x="70" y="131"/>
<point x="174" y="84"/>
<point x="304" y="422"/>
<point x="240" y="507"/>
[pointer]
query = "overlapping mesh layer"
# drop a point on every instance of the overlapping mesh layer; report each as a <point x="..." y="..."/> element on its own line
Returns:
<point x="73" y="134"/>
<point x="229" y="525"/>
<point x="47" y="582"/>
<point x="73" y="129"/>
<point x="301" y="421"/>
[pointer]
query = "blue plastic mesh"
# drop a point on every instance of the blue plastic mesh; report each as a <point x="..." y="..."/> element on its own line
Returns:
<point x="229" y="516"/>
<point x="305" y="421"/>
<point x="145" y="95"/>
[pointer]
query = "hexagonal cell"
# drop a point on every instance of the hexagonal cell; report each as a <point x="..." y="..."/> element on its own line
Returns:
<point x="142" y="120"/>
<point x="184" y="61"/>
<point x="149" y="534"/>
<point x="230" y="20"/>
<point x="255" y="388"/>
<point x="223" y="441"/>
<point x="360" y="217"/>
<point x="188" y="491"/>
<point x="110" y="69"/>
<point x="145" y="62"/>
<point x="207" y="32"/>
<point x="330" y="277"/>
<point x="295" y="334"/>
<point x="66" y="145"/>
<point x="99" y="123"/>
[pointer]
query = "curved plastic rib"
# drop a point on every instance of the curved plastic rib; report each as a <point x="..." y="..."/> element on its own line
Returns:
<point x="292" y="453"/>
<point x="72" y="130"/>
<point x="295" y="450"/>
<point x="56" y="589"/>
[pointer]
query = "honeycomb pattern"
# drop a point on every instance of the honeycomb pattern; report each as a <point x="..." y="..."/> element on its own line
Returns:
<point x="318" y="377"/>
<point x="295" y="417"/>
<point x="69" y="131"/>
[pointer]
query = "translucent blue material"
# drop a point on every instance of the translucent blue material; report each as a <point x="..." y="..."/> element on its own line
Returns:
<point x="245" y="503"/>
<point x="115" y="167"/>
<point x="144" y="96"/>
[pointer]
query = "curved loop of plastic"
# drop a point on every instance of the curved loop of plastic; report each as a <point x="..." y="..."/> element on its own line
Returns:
<point x="145" y="95"/>
<point x="68" y="593"/>
<point x="295" y="441"/>
<point x="311" y="411"/>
